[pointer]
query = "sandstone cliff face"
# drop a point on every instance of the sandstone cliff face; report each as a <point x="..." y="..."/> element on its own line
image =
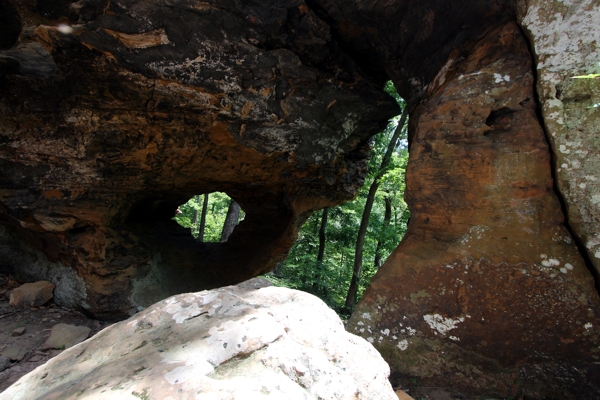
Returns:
<point x="113" y="120"/>
<point x="488" y="291"/>
<point x="564" y="38"/>
<point x="105" y="129"/>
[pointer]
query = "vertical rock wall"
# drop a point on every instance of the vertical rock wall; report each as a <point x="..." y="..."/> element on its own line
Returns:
<point x="488" y="292"/>
<point x="565" y="39"/>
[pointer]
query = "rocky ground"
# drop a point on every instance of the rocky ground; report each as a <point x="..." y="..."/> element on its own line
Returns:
<point x="23" y="332"/>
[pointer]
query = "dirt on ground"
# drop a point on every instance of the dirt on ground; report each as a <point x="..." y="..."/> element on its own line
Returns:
<point x="37" y="323"/>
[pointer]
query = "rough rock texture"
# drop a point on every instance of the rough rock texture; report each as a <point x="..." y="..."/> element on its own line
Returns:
<point x="32" y="294"/>
<point x="245" y="341"/>
<point x="113" y="119"/>
<point x="487" y="292"/>
<point x="14" y="353"/>
<point x="565" y="36"/>
<point x="64" y="336"/>
<point x="4" y="363"/>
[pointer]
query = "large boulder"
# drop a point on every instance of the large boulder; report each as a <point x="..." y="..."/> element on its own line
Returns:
<point x="245" y="341"/>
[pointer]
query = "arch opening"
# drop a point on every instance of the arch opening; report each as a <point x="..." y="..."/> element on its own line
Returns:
<point x="332" y="245"/>
<point x="210" y="217"/>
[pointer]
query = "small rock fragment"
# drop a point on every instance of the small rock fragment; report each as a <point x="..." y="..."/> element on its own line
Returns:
<point x="403" y="396"/>
<point x="15" y="353"/>
<point x="31" y="294"/>
<point x="64" y="336"/>
<point x="4" y="363"/>
<point x="18" y="331"/>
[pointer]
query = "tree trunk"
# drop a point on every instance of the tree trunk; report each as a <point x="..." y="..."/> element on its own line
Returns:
<point x="203" y="219"/>
<point x="321" y="252"/>
<point x="231" y="221"/>
<point x="364" y="222"/>
<point x="386" y="222"/>
<point x="196" y="221"/>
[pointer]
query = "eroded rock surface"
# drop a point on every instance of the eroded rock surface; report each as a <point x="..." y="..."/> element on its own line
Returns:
<point x="126" y="110"/>
<point x="245" y="341"/>
<point x="487" y="291"/>
<point x="565" y="37"/>
<point x="111" y="121"/>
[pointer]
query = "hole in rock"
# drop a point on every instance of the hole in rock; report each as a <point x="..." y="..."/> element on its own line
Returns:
<point x="496" y="116"/>
<point x="323" y="259"/>
<point x="211" y="217"/>
<point x="11" y="25"/>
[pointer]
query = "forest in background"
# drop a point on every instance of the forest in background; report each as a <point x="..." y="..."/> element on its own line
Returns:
<point x="339" y="249"/>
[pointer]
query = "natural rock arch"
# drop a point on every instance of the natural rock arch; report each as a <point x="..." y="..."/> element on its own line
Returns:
<point x="110" y="124"/>
<point x="114" y="122"/>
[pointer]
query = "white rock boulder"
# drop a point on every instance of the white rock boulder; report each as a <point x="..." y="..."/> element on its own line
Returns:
<point x="250" y="341"/>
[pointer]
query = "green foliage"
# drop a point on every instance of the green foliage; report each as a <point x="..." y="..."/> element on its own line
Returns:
<point x="588" y="76"/>
<point x="215" y="216"/>
<point x="330" y="279"/>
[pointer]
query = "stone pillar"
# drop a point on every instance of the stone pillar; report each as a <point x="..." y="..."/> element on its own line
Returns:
<point x="487" y="293"/>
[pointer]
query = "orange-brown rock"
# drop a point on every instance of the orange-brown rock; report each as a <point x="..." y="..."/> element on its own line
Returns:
<point x="113" y="114"/>
<point x="487" y="293"/>
<point x="31" y="294"/>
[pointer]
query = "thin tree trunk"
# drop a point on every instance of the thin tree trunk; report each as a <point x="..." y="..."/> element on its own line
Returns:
<point x="321" y="252"/>
<point x="386" y="222"/>
<point x="277" y="268"/>
<point x="364" y="222"/>
<point x="203" y="219"/>
<point x="196" y="221"/>
<point x="231" y="221"/>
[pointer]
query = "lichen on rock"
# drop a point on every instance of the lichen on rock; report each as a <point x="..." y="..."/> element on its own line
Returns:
<point x="234" y="342"/>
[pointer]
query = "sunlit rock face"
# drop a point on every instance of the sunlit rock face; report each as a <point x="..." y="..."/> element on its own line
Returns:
<point x="564" y="38"/>
<point x="487" y="293"/>
<point x="114" y="113"/>
<point x="239" y="342"/>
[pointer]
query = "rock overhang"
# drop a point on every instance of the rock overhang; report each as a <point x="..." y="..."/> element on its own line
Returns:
<point x="118" y="116"/>
<point x="171" y="113"/>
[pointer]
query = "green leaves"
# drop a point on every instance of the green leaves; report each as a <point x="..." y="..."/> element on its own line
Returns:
<point x="330" y="279"/>
<point x="217" y="212"/>
<point x="589" y="76"/>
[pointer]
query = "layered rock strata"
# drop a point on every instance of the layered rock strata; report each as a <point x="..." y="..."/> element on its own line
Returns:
<point x="488" y="291"/>
<point x="115" y="113"/>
